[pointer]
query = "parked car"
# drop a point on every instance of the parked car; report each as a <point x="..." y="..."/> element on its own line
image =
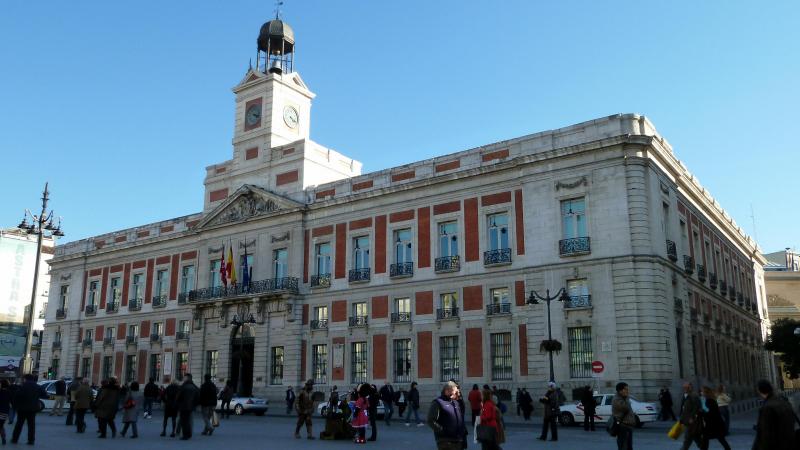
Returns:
<point x="241" y="405"/>
<point x="50" y="387"/>
<point x="573" y="413"/>
<point x="322" y="408"/>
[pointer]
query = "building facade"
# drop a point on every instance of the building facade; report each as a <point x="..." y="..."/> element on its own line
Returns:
<point x="420" y="272"/>
<point x="782" y="278"/>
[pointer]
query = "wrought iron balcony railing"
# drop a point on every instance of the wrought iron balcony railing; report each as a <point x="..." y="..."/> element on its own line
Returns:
<point x="358" y="321"/>
<point x="496" y="309"/>
<point x="183" y="297"/>
<point x="688" y="264"/>
<point x="319" y="324"/>
<point x="401" y="317"/>
<point x="112" y="307"/>
<point x="497" y="257"/>
<point x="446" y="313"/>
<point x="678" y="304"/>
<point x="740" y="299"/>
<point x="90" y="310"/>
<point x="87" y="342"/>
<point x="579" y="301"/>
<point x="155" y="338"/>
<point x="61" y="313"/>
<point x="359" y="275"/>
<point x="56" y="344"/>
<point x="672" y="251"/>
<point x="712" y="280"/>
<point x="131" y="339"/>
<point x="182" y="336"/>
<point x="701" y="273"/>
<point x="401" y="270"/>
<point x="108" y="341"/>
<point x="134" y="304"/>
<point x="321" y="280"/>
<point x="723" y="288"/>
<point x="732" y="292"/>
<point x="574" y="246"/>
<point x="272" y="285"/>
<point x="447" y="264"/>
<point x="159" y="301"/>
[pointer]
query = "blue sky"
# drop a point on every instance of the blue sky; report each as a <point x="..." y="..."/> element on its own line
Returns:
<point x="122" y="105"/>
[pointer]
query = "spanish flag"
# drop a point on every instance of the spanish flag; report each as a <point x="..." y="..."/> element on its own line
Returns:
<point x="230" y="266"/>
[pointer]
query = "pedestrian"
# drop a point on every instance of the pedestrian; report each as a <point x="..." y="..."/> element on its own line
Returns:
<point x="527" y="404"/>
<point x="333" y="400"/>
<point x="714" y="426"/>
<point x="360" y="419"/>
<point x="290" y="398"/>
<point x="71" y="388"/>
<point x="723" y="400"/>
<point x="305" y="409"/>
<point x="413" y="405"/>
<point x="623" y="413"/>
<point x="5" y="407"/>
<point x="387" y="397"/>
<point x="690" y="417"/>
<point x="490" y="417"/>
<point x="549" y="402"/>
<point x="561" y="397"/>
<point x="170" y="402"/>
<point x="372" y="411"/>
<point x="475" y="398"/>
<point x="130" y="410"/>
<point x="446" y="419"/>
<point x="106" y="406"/>
<point x="208" y="402"/>
<point x="665" y="398"/>
<point x="151" y="392"/>
<point x="59" y="397"/>
<point x="83" y="401"/>
<point x="401" y="399"/>
<point x="589" y="408"/>
<point x="26" y="403"/>
<point x="12" y="414"/>
<point x="226" y="396"/>
<point x="186" y="401"/>
<point x="775" y="426"/>
<point x="518" y="400"/>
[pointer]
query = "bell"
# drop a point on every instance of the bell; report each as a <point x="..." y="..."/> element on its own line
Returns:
<point x="275" y="67"/>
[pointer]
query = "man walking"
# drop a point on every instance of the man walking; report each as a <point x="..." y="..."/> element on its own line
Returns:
<point x="83" y="400"/>
<point x="71" y="388"/>
<point x="475" y="399"/>
<point x="589" y="408"/>
<point x="446" y="419"/>
<point x="387" y="396"/>
<point x="208" y="401"/>
<point x="290" y="397"/>
<point x="665" y="399"/>
<point x="372" y="411"/>
<point x="26" y="402"/>
<point x="690" y="417"/>
<point x="60" y="397"/>
<point x="150" y="395"/>
<point x="775" y="426"/>
<point x="413" y="405"/>
<point x="551" y="410"/>
<point x="623" y="413"/>
<point x="187" y="400"/>
<point x="305" y="409"/>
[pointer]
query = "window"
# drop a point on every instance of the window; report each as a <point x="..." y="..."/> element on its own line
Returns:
<point x="448" y="358"/>
<point x="501" y="356"/>
<point x="361" y="252"/>
<point x="246" y="265"/>
<point x="448" y="301"/>
<point x="89" y="335"/>
<point x="93" y="293"/>
<point x="498" y="231"/>
<point x="448" y="239"/>
<point x="63" y="298"/>
<point x="573" y="218"/>
<point x="321" y="313"/>
<point x="108" y="367"/>
<point x="155" y="366"/>
<point x="183" y="364"/>
<point x="402" y="360"/>
<point x="402" y="306"/>
<point x="86" y="368"/>
<point x="214" y="279"/>
<point x="183" y="326"/>
<point x="158" y="328"/>
<point x="110" y="332"/>
<point x="187" y="279"/>
<point x="54" y="366"/>
<point x="665" y="220"/>
<point x="57" y="336"/>
<point x="276" y="376"/>
<point x="322" y="255"/>
<point x="279" y="260"/>
<point x="360" y="309"/>
<point x="358" y="362"/>
<point x="499" y="301"/>
<point x="131" y="362"/>
<point x="133" y="331"/>
<point x="319" y="363"/>
<point x="136" y="287"/>
<point x="578" y="291"/>
<point x="402" y="246"/>
<point x="212" y="361"/>
<point x="580" y="352"/>
<point x="116" y="291"/>
<point x="162" y="283"/>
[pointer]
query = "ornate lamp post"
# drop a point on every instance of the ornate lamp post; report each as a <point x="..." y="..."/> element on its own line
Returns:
<point x="533" y="299"/>
<point x="40" y="225"/>
<point x="239" y="324"/>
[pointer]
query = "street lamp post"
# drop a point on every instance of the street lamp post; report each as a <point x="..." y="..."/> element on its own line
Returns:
<point x="239" y="324"/>
<point x="533" y="299"/>
<point x="39" y="225"/>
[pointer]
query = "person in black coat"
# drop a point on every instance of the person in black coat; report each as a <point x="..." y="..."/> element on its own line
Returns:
<point x="26" y="402"/>
<point x="387" y="396"/>
<point x="527" y="404"/>
<point x="208" y="401"/>
<point x="589" y="408"/>
<point x="372" y="411"/>
<point x="775" y="427"/>
<point x="170" y="407"/>
<point x="665" y="398"/>
<point x="714" y="426"/>
<point x="186" y="401"/>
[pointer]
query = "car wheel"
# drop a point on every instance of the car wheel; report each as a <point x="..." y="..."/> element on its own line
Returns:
<point x="567" y="419"/>
<point x="41" y="406"/>
<point x="639" y="423"/>
<point x="238" y="409"/>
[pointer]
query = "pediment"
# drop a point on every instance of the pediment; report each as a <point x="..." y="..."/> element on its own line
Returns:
<point x="250" y="76"/>
<point x="248" y="202"/>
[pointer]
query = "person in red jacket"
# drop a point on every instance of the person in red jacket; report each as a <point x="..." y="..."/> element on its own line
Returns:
<point x="490" y="417"/>
<point x="475" y="398"/>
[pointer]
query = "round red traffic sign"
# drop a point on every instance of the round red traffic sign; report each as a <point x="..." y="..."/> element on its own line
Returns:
<point x="597" y="367"/>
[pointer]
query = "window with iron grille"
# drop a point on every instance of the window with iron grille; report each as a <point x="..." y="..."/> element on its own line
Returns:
<point x="108" y="367"/>
<point x="183" y="364"/>
<point x="501" y="356"/>
<point x="155" y="366"/>
<point x="448" y="358"/>
<point x="131" y="361"/>
<point x="276" y="374"/>
<point x="402" y="360"/>
<point x="358" y="362"/>
<point x="86" y="368"/>
<point x="319" y="363"/>
<point x="580" y="352"/>
<point x="212" y="359"/>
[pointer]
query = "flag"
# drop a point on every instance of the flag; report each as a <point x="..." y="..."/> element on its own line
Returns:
<point x="223" y="273"/>
<point x="230" y="266"/>
<point x="245" y="269"/>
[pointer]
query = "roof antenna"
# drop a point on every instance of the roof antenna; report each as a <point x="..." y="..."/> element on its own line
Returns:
<point x="278" y="4"/>
<point x="753" y="218"/>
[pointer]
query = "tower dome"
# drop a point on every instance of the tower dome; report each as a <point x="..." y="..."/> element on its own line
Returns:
<point x="275" y="47"/>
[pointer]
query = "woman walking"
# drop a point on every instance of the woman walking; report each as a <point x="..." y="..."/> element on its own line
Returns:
<point x="130" y="410"/>
<point x="106" y="406"/>
<point x="714" y="425"/>
<point x="490" y="418"/>
<point x="723" y="400"/>
<point x="5" y="407"/>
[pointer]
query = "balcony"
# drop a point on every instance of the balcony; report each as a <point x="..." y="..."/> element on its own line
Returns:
<point x="112" y="307"/>
<point x="701" y="273"/>
<point x="446" y="313"/>
<point x="574" y="246"/>
<point x="672" y="251"/>
<point x="183" y="298"/>
<point x="401" y="270"/>
<point x="732" y="292"/>
<point x="578" y="301"/>
<point x="401" y="317"/>
<point x="182" y="336"/>
<point x="159" y="301"/>
<point x="269" y="286"/>
<point x="712" y="280"/>
<point x="131" y="340"/>
<point x="87" y="342"/>
<point x="740" y="299"/>
<point x="61" y="313"/>
<point x="498" y="257"/>
<point x="447" y="264"/>
<point x="688" y="264"/>
<point x="109" y="341"/>
<point x="134" y="304"/>
<point x="90" y="310"/>
<point x="56" y="345"/>
<point x="319" y="324"/>
<point x="496" y="309"/>
<point x="358" y="275"/>
<point x="723" y="288"/>
<point x="358" y="321"/>
<point x="678" y="304"/>
<point x="321" y="281"/>
<point x="155" y="338"/>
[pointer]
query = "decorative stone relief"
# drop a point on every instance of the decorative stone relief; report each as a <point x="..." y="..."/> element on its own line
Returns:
<point x="281" y="237"/>
<point x="246" y="244"/>
<point x="244" y="207"/>
<point x="572" y="184"/>
<point x="66" y="277"/>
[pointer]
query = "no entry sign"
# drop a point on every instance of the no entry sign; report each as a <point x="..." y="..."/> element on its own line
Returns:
<point x="598" y="367"/>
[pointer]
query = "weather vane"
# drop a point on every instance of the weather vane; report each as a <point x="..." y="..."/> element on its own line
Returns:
<point x="278" y="4"/>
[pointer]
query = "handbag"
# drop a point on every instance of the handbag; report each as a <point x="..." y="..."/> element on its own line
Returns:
<point x="475" y="430"/>
<point x="486" y="433"/>
<point x="214" y="419"/>
<point x="676" y="431"/>
<point x="130" y="403"/>
<point x="612" y="427"/>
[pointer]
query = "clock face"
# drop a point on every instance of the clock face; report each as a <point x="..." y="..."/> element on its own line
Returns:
<point x="253" y="115"/>
<point x="291" y="117"/>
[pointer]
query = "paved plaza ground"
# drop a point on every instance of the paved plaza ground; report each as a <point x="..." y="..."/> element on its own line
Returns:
<point x="276" y="431"/>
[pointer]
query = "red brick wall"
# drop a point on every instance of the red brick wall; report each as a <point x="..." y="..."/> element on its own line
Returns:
<point x="188" y="255"/>
<point x="306" y="250"/>
<point x="126" y="282"/>
<point x="473" y="298"/>
<point x="325" y="193"/>
<point x="322" y="231"/>
<point x="169" y="327"/>
<point x="447" y="166"/>
<point x="380" y="307"/>
<point x="401" y="216"/>
<point x="523" y="350"/>
<point x="500" y="154"/>
<point x="139" y="264"/>
<point x="424" y="354"/>
<point x="520" y="222"/>
<point x="116" y="268"/>
<point x="361" y="223"/>
<point x="362" y="185"/>
<point x="519" y="292"/>
<point x="475" y="353"/>
<point x="424" y="237"/>
<point x="339" y="311"/>
<point x="174" y="275"/>
<point x="380" y="244"/>
<point x="471" y="243"/>
<point x="118" y="361"/>
<point x="167" y="229"/>
<point x="144" y="329"/>
<point x="379" y="356"/>
<point x="148" y="286"/>
<point x="287" y="177"/>
<point x="403" y="176"/>
<point x="122" y="330"/>
<point x="305" y="314"/>
<point x="444" y="208"/>
<point x="251" y="153"/>
<point x="424" y="303"/>
<point x="162" y="260"/>
<point x="98" y="333"/>
<point x="337" y="373"/>
<point x="217" y="195"/>
<point x="496" y="199"/>
<point x="104" y="288"/>
<point x="341" y="250"/>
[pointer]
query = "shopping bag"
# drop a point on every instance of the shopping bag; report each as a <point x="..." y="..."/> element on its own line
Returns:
<point x="676" y="431"/>
<point x="475" y="429"/>
<point x="215" y="419"/>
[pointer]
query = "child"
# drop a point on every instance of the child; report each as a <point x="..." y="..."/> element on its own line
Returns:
<point x="360" y="419"/>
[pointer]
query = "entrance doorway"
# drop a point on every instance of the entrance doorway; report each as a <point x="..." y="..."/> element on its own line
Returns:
<point x="242" y="359"/>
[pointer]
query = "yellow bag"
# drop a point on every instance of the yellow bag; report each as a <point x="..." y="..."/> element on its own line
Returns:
<point x="676" y="431"/>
